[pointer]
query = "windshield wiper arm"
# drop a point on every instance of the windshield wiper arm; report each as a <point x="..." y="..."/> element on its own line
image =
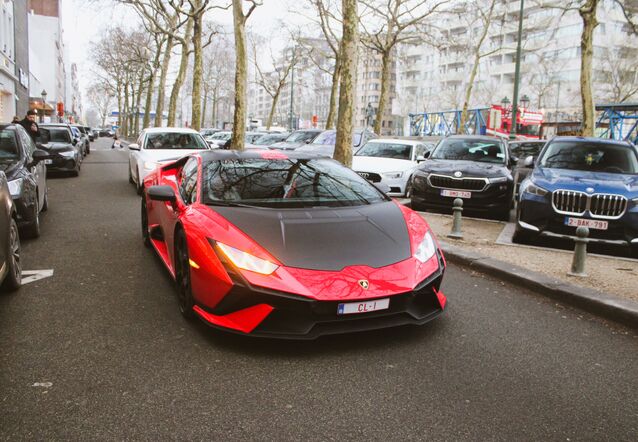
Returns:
<point x="220" y="203"/>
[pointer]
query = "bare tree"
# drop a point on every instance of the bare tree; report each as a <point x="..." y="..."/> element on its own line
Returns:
<point x="241" y="70"/>
<point x="100" y="95"/>
<point x="273" y="81"/>
<point x="348" y="51"/>
<point x="619" y="76"/>
<point x="402" y="22"/>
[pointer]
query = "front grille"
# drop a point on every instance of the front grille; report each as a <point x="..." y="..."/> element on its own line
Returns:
<point x="608" y="205"/>
<point x="448" y="182"/>
<point x="370" y="176"/>
<point x="599" y="205"/>
<point x="570" y="202"/>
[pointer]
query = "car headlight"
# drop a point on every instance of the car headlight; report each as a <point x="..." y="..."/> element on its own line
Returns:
<point x="15" y="187"/>
<point x="426" y="249"/>
<point x="420" y="178"/>
<point x="67" y="153"/>
<point x="500" y="179"/>
<point x="246" y="261"/>
<point x="533" y="189"/>
<point x="150" y="165"/>
<point x="393" y="175"/>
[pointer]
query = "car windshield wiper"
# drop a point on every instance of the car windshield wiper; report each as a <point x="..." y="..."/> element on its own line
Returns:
<point x="221" y="203"/>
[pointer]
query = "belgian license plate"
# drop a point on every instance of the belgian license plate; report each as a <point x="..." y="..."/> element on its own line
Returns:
<point x="456" y="194"/>
<point x="351" y="308"/>
<point x="48" y="161"/>
<point x="590" y="223"/>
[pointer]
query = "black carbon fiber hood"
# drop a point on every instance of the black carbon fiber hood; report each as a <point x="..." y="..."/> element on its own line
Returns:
<point x="327" y="238"/>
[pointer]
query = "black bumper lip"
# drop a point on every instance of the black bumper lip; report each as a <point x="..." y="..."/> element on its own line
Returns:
<point x="299" y="318"/>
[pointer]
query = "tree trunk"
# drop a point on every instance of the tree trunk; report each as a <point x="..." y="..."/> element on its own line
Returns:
<point x="349" y="44"/>
<point x="181" y="75"/>
<point x="124" y="116"/>
<point x="196" y="93"/>
<point x="138" y="101"/>
<point x="239" y="118"/>
<point x="332" y="111"/>
<point x="213" y="122"/>
<point x="468" y="91"/>
<point x="161" y="87"/>
<point x="385" y="89"/>
<point x="151" y="86"/>
<point x="204" y="103"/>
<point x="588" y="14"/>
<point x="273" y="106"/>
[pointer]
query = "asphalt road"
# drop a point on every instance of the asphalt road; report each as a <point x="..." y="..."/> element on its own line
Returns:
<point x="99" y="351"/>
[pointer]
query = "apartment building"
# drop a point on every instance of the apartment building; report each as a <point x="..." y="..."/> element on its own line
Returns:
<point x="435" y="79"/>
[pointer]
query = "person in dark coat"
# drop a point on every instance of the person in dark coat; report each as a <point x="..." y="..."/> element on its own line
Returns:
<point x="30" y="124"/>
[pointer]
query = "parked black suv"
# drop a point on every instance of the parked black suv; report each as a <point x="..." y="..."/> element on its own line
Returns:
<point x="474" y="168"/>
<point x="65" y="153"/>
<point x="23" y="165"/>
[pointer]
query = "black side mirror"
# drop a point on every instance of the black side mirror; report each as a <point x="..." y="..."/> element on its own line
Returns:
<point x="75" y="141"/>
<point x="39" y="155"/>
<point x="161" y="193"/>
<point x="427" y="154"/>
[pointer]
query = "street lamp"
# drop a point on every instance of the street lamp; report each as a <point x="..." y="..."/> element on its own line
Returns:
<point x="44" y="102"/>
<point x="525" y="101"/>
<point x="505" y="102"/>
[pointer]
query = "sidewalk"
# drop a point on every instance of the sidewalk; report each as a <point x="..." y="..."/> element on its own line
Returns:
<point x="609" y="290"/>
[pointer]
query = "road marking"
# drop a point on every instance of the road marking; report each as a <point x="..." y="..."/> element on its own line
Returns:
<point x="43" y="384"/>
<point x="35" y="275"/>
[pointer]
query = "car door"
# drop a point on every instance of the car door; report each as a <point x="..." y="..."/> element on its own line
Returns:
<point x="39" y="170"/>
<point x="134" y="156"/>
<point x="34" y="174"/>
<point x="186" y="195"/>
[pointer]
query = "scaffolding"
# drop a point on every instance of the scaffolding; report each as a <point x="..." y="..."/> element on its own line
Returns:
<point x="446" y="123"/>
<point x="618" y="121"/>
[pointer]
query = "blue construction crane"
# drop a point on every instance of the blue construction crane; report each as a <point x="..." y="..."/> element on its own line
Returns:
<point x="618" y="121"/>
<point x="444" y="123"/>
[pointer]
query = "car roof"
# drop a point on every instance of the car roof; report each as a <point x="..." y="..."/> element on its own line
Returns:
<point x="593" y="140"/>
<point x="395" y="140"/>
<point x="68" y="126"/>
<point x="223" y="154"/>
<point x="154" y="130"/>
<point x="474" y="137"/>
<point x="7" y="125"/>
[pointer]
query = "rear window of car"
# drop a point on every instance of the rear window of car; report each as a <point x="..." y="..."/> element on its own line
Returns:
<point x="8" y="145"/>
<point x="483" y="151"/>
<point x="175" y="141"/>
<point x="590" y="157"/>
<point x="286" y="183"/>
<point x="523" y="150"/>
<point x="56" y="135"/>
<point x="397" y="151"/>
<point x="302" y="136"/>
<point x="330" y="137"/>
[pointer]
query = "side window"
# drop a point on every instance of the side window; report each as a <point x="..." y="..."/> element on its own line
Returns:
<point x="27" y="143"/>
<point x="140" y="140"/>
<point x="188" y="181"/>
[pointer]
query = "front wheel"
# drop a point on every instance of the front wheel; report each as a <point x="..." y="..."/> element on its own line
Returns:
<point x="183" y="276"/>
<point x="13" y="280"/>
<point x="408" y="188"/>
<point x="32" y="230"/>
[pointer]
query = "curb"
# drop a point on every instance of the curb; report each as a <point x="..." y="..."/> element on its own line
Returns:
<point x="600" y="304"/>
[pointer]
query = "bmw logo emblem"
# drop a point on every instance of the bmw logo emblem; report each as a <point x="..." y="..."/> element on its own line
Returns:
<point x="458" y="174"/>
<point x="589" y="190"/>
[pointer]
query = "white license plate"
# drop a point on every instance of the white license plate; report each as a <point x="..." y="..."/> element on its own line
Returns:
<point x="351" y="308"/>
<point x="456" y="193"/>
<point x="48" y="161"/>
<point x="591" y="223"/>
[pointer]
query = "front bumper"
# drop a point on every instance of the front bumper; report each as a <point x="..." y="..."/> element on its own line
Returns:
<point x="25" y="210"/>
<point x="495" y="197"/>
<point x="63" y="164"/>
<point x="289" y="316"/>
<point x="537" y="215"/>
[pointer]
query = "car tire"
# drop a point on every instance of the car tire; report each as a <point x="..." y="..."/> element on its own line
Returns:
<point x="32" y="230"/>
<point x="130" y="175"/>
<point x="183" y="275"/>
<point x="139" y="185"/>
<point x="144" y="218"/>
<point x="13" y="279"/>
<point x="408" y="188"/>
<point x="522" y="236"/>
<point x="45" y="204"/>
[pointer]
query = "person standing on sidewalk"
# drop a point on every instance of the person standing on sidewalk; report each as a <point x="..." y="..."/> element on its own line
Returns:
<point x="30" y="124"/>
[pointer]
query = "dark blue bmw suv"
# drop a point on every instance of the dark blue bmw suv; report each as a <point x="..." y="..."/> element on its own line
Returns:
<point x="579" y="181"/>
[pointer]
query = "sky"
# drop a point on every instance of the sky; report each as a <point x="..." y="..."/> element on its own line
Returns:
<point x="85" y="21"/>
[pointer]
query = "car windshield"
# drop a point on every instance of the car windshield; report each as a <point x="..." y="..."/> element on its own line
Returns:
<point x="483" y="151"/>
<point x="269" y="139"/>
<point x="301" y="136"/>
<point x="221" y="136"/>
<point x="525" y="149"/>
<point x="286" y="183"/>
<point x="330" y="137"/>
<point x="56" y="135"/>
<point x="397" y="151"/>
<point x="590" y="156"/>
<point x="8" y="145"/>
<point x="174" y="140"/>
<point x="251" y="138"/>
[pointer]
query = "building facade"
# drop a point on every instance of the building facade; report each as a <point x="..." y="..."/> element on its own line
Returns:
<point x="47" y="71"/>
<point x="8" y="80"/>
<point x="21" y="22"/>
<point x="435" y="79"/>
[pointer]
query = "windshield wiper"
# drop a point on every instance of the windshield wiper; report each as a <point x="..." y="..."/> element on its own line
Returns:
<point x="220" y="203"/>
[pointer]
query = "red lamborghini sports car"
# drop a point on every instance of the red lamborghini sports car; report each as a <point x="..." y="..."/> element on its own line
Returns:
<point x="289" y="245"/>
